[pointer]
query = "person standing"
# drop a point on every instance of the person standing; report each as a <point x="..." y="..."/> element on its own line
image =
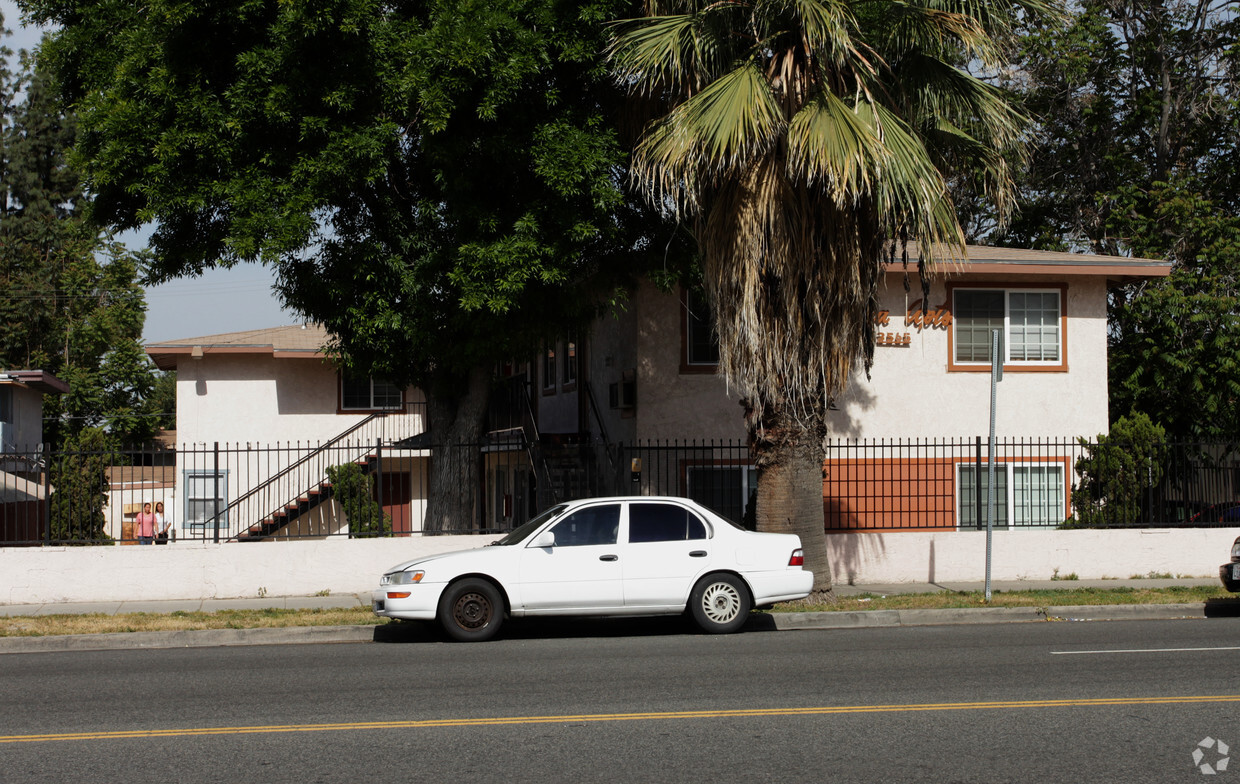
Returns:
<point x="144" y="525"/>
<point x="162" y="524"/>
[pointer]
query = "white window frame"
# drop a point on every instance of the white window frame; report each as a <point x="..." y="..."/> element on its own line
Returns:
<point x="1005" y="337"/>
<point x="1009" y="470"/>
<point x="205" y="525"/>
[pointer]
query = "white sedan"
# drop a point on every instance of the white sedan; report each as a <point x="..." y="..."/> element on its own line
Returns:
<point x="635" y="555"/>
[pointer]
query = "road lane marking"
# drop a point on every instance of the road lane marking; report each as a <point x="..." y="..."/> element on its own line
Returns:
<point x="1142" y="650"/>
<point x="606" y="717"/>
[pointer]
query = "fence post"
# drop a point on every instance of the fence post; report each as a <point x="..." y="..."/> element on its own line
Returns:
<point x="47" y="494"/>
<point x="379" y="477"/>
<point x="977" y="485"/>
<point x="215" y="478"/>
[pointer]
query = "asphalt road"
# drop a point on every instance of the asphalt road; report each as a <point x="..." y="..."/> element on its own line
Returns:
<point x="642" y="701"/>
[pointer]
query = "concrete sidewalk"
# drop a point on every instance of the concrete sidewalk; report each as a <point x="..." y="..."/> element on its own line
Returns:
<point x="767" y="621"/>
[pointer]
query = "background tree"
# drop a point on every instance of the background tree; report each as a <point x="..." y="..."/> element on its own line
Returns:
<point x="438" y="184"/>
<point x="79" y="476"/>
<point x="805" y="143"/>
<point x="70" y="302"/>
<point x="1137" y="121"/>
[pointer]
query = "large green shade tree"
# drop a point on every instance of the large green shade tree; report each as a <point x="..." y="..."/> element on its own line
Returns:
<point x="805" y="142"/>
<point x="437" y="183"/>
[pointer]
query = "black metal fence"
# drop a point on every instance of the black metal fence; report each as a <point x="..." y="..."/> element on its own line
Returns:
<point x="375" y="481"/>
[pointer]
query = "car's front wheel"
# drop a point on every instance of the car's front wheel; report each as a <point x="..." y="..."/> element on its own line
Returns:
<point x="471" y="610"/>
<point x="720" y="603"/>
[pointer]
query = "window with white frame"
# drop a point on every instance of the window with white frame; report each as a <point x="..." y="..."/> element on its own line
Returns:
<point x="725" y="489"/>
<point x="368" y="394"/>
<point x="206" y="492"/>
<point x="1027" y="495"/>
<point x="1028" y="321"/>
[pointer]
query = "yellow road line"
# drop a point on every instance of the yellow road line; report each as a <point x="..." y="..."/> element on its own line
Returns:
<point x="599" y="717"/>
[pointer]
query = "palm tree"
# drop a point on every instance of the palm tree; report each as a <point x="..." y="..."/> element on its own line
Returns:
<point x="805" y="141"/>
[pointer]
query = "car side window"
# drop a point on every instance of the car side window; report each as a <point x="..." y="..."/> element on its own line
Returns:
<point x="663" y="523"/>
<point x="592" y="525"/>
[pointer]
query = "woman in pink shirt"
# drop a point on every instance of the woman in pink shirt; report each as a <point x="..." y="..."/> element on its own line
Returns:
<point x="144" y="525"/>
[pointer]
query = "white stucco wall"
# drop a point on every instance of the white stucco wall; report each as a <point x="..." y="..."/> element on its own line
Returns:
<point x="201" y="570"/>
<point x="910" y="393"/>
<point x="912" y="556"/>
<point x="196" y="570"/>
<point x="252" y="398"/>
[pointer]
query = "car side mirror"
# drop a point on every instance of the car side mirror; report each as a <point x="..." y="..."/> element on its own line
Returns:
<point x="545" y="539"/>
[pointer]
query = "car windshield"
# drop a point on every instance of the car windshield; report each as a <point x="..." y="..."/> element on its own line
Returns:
<point x="520" y="533"/>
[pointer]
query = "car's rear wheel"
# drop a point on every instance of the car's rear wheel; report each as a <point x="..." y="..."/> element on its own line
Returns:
<point x="720" y="603"/>
<point x="471" y="610"/>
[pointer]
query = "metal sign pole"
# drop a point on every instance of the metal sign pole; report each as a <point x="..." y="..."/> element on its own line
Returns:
<point x="996" y="375"/>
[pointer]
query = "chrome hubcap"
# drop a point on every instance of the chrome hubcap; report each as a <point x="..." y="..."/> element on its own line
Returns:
<point x="721" y="602"/>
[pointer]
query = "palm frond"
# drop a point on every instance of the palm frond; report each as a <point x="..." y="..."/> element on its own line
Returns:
<point x="713" y="132"/>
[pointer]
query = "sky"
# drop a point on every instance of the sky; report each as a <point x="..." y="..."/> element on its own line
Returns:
<point x="219" y="301"/>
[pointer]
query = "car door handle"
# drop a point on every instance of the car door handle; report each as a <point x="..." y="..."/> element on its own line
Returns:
<point x="609" y="558"/>
<point x="697" y="553"/>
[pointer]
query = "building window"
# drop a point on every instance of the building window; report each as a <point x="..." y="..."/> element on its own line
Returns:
<point x="205" y="492"/>
<point x="367" y="394"/>
<point x="1030" y="324"/>
<point x="701" y="342"/>
<point x="724" y="489"/>
<point x="1026" y="496"/>
<point x="568" y="375"/>
<point x="548" y="370"/>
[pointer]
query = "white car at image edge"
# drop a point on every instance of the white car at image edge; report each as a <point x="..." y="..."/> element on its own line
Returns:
<point x="636" y="555"/>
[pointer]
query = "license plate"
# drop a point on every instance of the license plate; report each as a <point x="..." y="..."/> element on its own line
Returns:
<point x="1235" y="571"/>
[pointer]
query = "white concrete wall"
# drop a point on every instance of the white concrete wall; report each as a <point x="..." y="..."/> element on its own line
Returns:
<point x="949" y="556"/>
<point x="201" y="570"/>
<point x="195" y="570"/>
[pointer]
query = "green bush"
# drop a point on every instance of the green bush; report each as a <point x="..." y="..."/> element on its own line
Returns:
<point x="354" y="489"/>
<point x="1117" y="474"/>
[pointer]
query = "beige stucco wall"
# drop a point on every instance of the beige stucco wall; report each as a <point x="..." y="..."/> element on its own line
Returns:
<point x="910" y="393"/>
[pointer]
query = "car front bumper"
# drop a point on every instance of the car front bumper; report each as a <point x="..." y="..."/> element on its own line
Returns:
<point x="418" y="602"/>
<point x="1229" y="573"/>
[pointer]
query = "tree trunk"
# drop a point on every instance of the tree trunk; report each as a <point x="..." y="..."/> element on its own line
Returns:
<point x="456" y="422"/>
<point x="790" y="462"/>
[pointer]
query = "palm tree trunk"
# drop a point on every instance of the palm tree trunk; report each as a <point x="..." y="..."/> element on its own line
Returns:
<point x="790" y="461"/>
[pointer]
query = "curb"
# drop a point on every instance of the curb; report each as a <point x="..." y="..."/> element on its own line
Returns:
<point x="881" y="618"/>
<point x="304" y="635"/>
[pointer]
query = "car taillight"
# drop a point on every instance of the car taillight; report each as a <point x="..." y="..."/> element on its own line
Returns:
<point x="797" y="559"/>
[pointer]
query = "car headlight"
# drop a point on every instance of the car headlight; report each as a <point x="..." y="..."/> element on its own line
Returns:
<point x="402" y="578"/>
